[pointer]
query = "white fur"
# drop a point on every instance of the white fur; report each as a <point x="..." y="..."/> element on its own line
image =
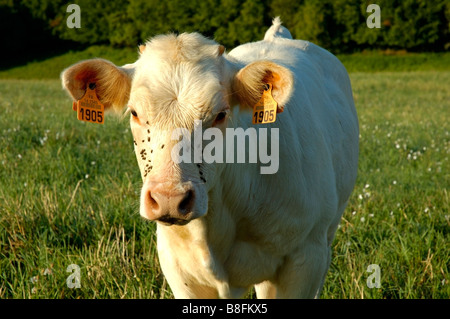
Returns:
<point x="275" y="231"/>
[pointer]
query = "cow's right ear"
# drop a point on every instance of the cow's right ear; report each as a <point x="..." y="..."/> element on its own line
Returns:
<point x="112" y="83"/>
<point x="249" y="83"/>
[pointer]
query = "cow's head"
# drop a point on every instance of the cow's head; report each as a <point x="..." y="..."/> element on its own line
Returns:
<point x="176" y="82"/>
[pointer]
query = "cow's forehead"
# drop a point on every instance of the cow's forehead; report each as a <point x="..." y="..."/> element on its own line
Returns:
<point x="178" y="79"/>
<point x="177" y="97"/>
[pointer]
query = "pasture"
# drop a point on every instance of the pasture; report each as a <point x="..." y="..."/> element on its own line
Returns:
<point x="69" y="194"/>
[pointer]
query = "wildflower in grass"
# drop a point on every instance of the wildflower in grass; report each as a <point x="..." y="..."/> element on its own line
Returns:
<point x="48" y="272"/>
<point x="42" y="140"/>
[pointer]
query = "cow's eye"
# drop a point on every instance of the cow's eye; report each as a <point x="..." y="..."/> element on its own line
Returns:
<point x="220" y="117"/>
<point x="133" y="112"/>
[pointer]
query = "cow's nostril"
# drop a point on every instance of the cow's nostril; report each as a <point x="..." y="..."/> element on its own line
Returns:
<point x="153" y="203"/>
<point x="186" y="204"/>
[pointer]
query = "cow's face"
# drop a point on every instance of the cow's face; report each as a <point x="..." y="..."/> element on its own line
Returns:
<point x="177" y="86"/>
<point x="180" y="86"/>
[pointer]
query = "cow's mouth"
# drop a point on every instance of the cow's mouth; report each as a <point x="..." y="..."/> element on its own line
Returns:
<point x="169" y="221"/>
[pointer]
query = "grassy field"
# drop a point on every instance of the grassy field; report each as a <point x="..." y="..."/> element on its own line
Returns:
<point x="370" y="62"/>
<point x="69" y="194"/>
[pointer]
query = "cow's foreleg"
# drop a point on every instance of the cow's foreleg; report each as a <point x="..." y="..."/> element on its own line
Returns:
<point x="183" y="285"/>
<point x="266" y="290"/>
<point x="303" y="273"/>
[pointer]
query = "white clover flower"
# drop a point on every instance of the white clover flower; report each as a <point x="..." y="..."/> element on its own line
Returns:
<point x="48" y="271"/>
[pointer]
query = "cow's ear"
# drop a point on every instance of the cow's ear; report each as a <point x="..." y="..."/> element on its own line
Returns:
<point x="112" y="83"/>
<point x="248" y="84"/>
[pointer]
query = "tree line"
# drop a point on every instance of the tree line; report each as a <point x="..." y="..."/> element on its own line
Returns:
<point x="338" y="25"/>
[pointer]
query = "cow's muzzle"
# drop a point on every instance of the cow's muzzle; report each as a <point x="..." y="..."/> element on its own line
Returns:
<point x="168" y="204"/>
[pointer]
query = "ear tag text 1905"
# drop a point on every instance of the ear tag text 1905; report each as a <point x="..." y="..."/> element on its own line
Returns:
<point x="265" y="110"/>
<point x="89" y="108"/>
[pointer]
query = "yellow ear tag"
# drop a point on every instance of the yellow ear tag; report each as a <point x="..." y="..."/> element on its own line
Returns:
<point x="265" y="110"/>
<point x="89" y="108"/>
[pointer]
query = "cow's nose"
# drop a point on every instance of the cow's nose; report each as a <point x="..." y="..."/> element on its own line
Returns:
<point x="168" y="206"/>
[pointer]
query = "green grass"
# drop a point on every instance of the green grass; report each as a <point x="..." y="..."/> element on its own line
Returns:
<point x="378" y="61"/>
<point x="398" y="216"/>
<point x="52" y="67"/>
<point x="69" y="194"/>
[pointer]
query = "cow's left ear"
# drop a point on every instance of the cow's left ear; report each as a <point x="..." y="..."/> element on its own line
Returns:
<point x="248" y="84"/>
<point x="112" y="83"/>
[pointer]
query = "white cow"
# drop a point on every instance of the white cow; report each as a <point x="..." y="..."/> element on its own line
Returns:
<point x="225" y="227"/>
